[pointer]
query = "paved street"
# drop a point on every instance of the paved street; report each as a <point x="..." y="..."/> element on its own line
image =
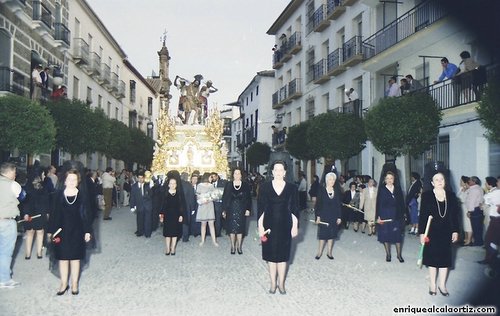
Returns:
<point x="132" y="276"/>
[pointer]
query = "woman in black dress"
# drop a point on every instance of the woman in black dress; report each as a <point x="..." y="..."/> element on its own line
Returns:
<point x="389" y="213"/>
<point x="69" y="215"/>
<point x="278" y="210"/>
<point x="38" y="191"/>
<point x="328" y="211"/>
<point x="172" y="216"/>
<point x="236" y="205"/>
<point x="442" y="205"/>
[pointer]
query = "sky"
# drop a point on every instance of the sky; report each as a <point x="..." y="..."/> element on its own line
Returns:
<point x="223" y="40"/>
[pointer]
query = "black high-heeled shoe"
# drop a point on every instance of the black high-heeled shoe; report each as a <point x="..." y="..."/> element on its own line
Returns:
<point x="240" y="252"/>
<point x="401" y="259"/>
<point x="388" y="258"/>
<point x="317" y="257"/>
<point x="63" y="291"/>
<point x="443" y="293"/>
<point x="233" y="251"/>
<point x="282" y="291"/>
<point x="329" y="256"/>
<point x="272" y="290"/>
<point x="75" y="292"/>
<point x="433" y="293"/>
<point x="39" y="256"/>
<point x="27" y="258"/>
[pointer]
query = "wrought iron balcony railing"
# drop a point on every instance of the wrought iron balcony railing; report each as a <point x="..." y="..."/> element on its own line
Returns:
<point x="106" y="74"/>
<point x="352" y="50"/>
<point x="42" y="13"/>
<point x="12" y="81"/>
<point x="114" y="81"/>
<point x="62" y="33"/>
<point x="81" y="51"/>
<point x="334" y="64"/>
<point x="334" y="9"/>
<point x="317" y="21"/>
<point x="95" y="64"/>
<point x="121" y="89"/>
<point x="406" y="25"/>
<point x="320" y="71"/>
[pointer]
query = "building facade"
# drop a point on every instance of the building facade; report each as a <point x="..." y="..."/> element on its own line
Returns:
<point x="324" y="48"/>
<point x="256" y="116"/>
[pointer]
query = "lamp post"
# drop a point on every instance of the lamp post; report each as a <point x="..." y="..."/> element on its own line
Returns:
<point x="150" y="127"/>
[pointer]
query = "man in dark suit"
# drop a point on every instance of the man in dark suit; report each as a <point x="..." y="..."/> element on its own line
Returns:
<point x="158" y="193"/>
<point x="220" y="184"/>
<point x="141" y="202"/>
<point x="190" y="202"/>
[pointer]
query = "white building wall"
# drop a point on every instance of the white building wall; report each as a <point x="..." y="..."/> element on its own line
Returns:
<point x="85" y="24"/>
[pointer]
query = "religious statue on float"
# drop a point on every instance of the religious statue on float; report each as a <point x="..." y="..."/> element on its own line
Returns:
<point x="193" y="100"/>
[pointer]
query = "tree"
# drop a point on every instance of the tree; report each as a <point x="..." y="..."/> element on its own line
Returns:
<point x="119" y="140"/>
<point x="79" y="129"/>
<point x="403" y="125"/>
<point x="25" y="125"/>
<point x="336" y="135"/>
<point x="140" y="149"/>
<point x="489" y="111"/>
<point x="258" y="154"/>
<point x="297" y="142"/>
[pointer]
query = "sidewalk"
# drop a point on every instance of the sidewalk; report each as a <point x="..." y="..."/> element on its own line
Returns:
<point x="132" y="276"/>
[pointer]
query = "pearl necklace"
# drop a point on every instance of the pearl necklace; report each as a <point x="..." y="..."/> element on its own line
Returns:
<point x="330" y="194"/>
<point x="172" y="194"/>
<point x="445" y="207"/>
<point x="236" y="187"/>
<point x="74" y="200"/>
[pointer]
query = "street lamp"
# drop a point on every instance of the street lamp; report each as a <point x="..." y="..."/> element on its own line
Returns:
<point x="150" y="127"/>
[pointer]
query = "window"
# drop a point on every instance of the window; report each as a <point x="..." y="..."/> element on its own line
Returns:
<point x="310" y="108"/>
<point x="251" y="96"/>
<point x="257" y="91"/>
<point x="89" y="41"/>
<point x="150" y="106"/>
<point x="89" y="96"/>
<point x="117" y="112"/>
<point x="76" y="87"/>
<point x="132" y="91"/>
<point x="99" y="101"/>
<point x="108" y="109"/>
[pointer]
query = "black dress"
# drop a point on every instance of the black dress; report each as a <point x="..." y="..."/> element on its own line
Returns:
<point x="69" y="214"/>
<point x="438" y="252"/>
<point x="172" y="209"/>
<point x="235" y="202"/>
<point x="36" y="203"/>
<point x="277" y="211"/>
<point x="328" y="210"/>
<point x="390" y="206"/>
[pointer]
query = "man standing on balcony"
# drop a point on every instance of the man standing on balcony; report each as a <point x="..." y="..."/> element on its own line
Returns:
<point x="414" y="84"/>
<point x="44" y="75"/>
<point x="352" y="97"/>
<point x="36" y="81"/>
<point x="449" y="70"/>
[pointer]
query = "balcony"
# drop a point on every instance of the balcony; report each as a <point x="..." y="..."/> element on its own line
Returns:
<point x="295" y="89"/>
<point x="277" y="59"/>
<point x="12" y="81"/>
<point x="466" y="88"/>
<point x="320" y="74"/>
<point x="334" y="64"/>
<point x="42" y="17"/>
<point x="62" y="34"/>
<point x="249" y="135"/>
<point x="318" y="21"/>
<point x="95" y="65"/>
<point x="279" y="97"/>
<point x="352" y="50"/>
<point x="354" y="107"/>
<point x="121" y="89"/>
<point x="294" y="43"/>
<point x="105" y="78"/>
<point x="81" y="52"/>
<point x="334" y="9"/>
<point x="114" y="82"/>
<point x="413" y="21"/>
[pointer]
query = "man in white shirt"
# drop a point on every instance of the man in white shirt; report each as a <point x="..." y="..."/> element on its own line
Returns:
<point x="473" y="202"/>
<point x="108" y="183"/>
<point x="393" y="88"/>
<point x="491" y="206"/>
<point x="36" y="80"/>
